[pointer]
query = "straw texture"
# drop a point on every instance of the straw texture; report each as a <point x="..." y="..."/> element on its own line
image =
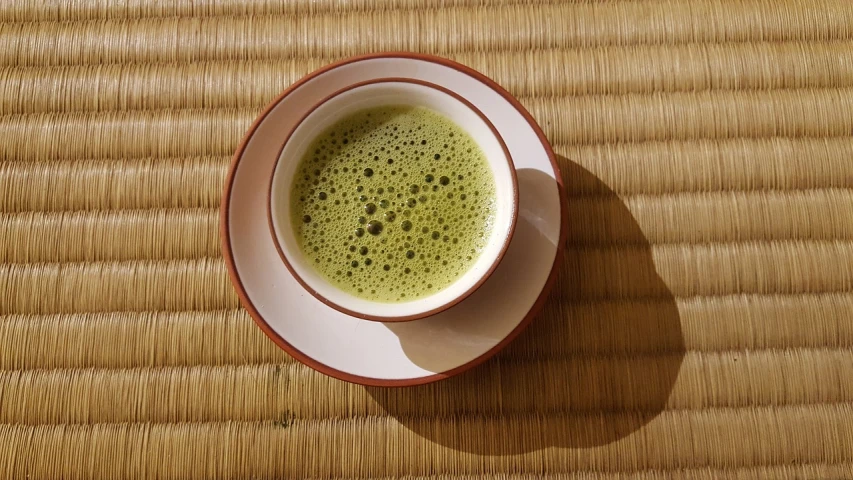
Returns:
<point x="700" y="327"/>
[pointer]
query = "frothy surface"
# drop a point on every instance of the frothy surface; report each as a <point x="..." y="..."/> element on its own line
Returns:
<point x="394" y="203"/>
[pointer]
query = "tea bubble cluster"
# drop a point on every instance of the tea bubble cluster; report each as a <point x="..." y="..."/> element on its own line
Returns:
<point x="393" y="203"/>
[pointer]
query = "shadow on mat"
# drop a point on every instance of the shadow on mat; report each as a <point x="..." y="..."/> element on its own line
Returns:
<point x="596" y="365"/>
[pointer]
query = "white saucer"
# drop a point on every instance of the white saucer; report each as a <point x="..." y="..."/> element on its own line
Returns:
<point x="406" y="353"/>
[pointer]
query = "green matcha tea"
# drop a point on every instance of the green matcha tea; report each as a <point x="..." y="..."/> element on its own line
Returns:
<point x="394" y="203"/>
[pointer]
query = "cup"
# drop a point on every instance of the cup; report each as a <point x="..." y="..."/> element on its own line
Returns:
<point x="378" y="93"/>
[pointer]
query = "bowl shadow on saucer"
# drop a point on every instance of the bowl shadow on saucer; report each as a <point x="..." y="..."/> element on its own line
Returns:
<point x="597" y="364"/>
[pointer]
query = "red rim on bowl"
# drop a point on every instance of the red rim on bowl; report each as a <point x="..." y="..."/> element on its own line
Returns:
<point x="455" y="300"/>
<point x="380" y="382"/>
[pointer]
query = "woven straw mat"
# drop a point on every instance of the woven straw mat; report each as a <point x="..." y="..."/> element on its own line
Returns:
<point x="700" y="327"/>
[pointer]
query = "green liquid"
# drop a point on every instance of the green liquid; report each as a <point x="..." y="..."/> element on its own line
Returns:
<point x="394" y="203"/>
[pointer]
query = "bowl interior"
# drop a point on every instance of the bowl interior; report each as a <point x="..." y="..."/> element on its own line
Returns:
<point x="376" y="94"/>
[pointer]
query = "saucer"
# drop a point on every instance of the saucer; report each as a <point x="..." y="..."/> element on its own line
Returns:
<point x="400" y="353"/>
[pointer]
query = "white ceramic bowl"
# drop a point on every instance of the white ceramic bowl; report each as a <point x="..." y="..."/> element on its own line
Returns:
<point x="394" y="353"/>
<point x="376" y="93"/>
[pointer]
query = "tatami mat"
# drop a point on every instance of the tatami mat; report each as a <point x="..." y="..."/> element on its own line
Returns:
<point x="701" y="326"/>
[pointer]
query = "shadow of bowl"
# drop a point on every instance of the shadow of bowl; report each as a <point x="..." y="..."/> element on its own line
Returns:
<point x="596" y="365"/>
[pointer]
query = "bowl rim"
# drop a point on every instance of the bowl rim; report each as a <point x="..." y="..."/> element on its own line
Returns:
<point x="453" y="301"/>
